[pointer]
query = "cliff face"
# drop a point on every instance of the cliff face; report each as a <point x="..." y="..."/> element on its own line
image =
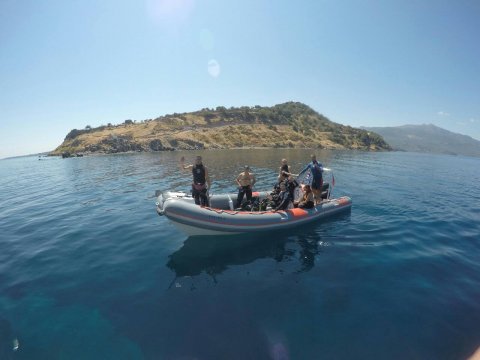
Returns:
<point x="292" y="125"/>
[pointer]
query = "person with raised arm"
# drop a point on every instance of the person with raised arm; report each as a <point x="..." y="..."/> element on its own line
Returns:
<point x="200" y="180"/>
<point x="316" y="170"/>
<point x="285" y="171"/>
<point x="284" y="168"/>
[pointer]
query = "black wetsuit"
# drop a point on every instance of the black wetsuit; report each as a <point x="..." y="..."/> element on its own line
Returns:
<point x="243" y="190"/>
<point x="199" y="189"/>
<point x="291" y="185"/>
<point x="284" y="199"/>
<point x="275" y="194"/>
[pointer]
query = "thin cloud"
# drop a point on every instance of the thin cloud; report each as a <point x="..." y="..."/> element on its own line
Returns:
<point x="443" y="113"/>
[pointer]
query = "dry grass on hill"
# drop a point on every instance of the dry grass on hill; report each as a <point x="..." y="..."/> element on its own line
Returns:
<point x="290" y="125"/>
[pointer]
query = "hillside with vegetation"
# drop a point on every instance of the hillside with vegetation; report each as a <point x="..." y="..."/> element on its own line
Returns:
<point x="288" y="125"/>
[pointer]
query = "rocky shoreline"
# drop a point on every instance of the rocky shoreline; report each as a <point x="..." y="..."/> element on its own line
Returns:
<point x="289" y="125"/>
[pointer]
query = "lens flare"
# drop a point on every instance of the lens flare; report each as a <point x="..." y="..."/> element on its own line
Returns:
<point x="206" y="39"/>
<point x="170" y="12"/>
<point x="214" y="68"/>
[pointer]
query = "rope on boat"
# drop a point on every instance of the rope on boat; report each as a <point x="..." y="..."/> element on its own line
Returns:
<point x="220" y="211"/>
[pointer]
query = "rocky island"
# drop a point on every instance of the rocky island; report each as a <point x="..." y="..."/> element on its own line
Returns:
<point x="288" y="125"/>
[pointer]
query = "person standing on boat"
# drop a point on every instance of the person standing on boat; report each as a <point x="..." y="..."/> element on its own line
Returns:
<point x="245" y="181"/>
<point x="200" y="180"/>
<point x="284" y="169"/>
<point x="316" y="170"/>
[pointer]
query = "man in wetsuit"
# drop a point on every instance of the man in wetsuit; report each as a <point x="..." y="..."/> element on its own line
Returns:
<point x="291" y="184"/>
<point x="245" y="181"/>
<point x="284" y="198"/>
<point x="316" y="169"/>
<point x="200" y="180"/>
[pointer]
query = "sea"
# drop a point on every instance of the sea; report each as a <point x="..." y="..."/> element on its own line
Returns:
<point x="89" y="270"/>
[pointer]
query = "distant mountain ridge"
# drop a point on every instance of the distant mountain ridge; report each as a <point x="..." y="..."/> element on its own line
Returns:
<point x="288" y="125"/>
<point x="428" y="138"/>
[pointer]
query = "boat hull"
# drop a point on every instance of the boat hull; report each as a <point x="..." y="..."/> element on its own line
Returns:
<point x="195" y="220"/>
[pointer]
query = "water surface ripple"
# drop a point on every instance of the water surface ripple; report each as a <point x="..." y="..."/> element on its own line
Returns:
<point x="89" y="271"/>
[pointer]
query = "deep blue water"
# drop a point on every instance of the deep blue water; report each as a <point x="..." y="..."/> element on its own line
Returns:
<point x="88" y="270"/>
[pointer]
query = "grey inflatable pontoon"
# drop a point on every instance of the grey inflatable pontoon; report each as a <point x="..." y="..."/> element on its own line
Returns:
<point x="220" y="218"/>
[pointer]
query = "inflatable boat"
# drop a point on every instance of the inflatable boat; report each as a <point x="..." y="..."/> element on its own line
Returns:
<point x="220" y="218"/>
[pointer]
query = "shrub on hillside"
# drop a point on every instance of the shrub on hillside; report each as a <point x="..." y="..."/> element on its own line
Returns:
<point x="74" y="133"/>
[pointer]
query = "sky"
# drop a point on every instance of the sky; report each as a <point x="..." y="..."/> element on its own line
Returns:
<point x="68" y="64"/>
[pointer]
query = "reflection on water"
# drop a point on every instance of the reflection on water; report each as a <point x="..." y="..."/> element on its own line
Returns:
<point x="214" y="255"/>
<point x="309" y="249"/>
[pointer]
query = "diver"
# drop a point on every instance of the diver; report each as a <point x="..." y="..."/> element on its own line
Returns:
<point x="316" y="170"/>
<point x="291" y="184"/>
<point x="200" y="180"/>
<point x="284" y="199"/>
